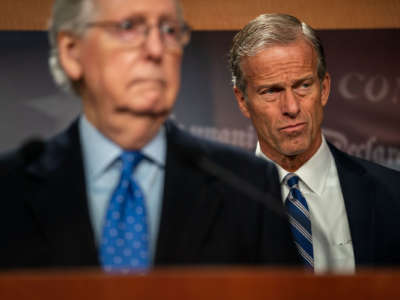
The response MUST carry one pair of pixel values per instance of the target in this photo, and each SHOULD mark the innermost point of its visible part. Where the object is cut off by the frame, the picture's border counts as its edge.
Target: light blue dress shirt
(102, 171)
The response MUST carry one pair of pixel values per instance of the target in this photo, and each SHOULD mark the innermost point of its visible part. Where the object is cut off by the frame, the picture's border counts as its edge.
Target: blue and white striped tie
(299, 218)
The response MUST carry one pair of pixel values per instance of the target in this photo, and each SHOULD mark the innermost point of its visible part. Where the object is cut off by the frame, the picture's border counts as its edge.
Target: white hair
(72, 16)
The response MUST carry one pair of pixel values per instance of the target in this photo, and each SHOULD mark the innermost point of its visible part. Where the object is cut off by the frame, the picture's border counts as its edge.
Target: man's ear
(69, 47)
(241, 100)
(325, 89)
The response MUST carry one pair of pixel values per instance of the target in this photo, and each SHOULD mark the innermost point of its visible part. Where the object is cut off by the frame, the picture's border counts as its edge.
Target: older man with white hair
(122, 187)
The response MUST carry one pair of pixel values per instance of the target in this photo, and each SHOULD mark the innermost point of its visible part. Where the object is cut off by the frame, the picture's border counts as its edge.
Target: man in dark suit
(342, 209)
(77, 199)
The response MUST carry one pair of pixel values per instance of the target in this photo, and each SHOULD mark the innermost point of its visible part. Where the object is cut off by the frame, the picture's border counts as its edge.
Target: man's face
(125, 89)
(285, 99)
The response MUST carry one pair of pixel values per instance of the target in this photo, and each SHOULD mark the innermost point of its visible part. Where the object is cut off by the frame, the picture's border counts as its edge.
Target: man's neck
(294, 162)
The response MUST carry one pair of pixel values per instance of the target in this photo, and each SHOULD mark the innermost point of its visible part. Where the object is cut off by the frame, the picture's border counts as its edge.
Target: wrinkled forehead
(119, 9)
(295, 54)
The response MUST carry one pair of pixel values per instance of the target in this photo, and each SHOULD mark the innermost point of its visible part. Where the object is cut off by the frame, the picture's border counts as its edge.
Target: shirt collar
(100, 153)
(314, 172)
(156, 149)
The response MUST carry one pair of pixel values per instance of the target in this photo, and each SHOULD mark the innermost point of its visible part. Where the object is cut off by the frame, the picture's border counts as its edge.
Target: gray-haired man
(122, 187)
(343, 210)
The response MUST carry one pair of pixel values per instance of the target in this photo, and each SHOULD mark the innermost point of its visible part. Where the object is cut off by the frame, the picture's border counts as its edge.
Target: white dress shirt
(102, 171)
(320, 186)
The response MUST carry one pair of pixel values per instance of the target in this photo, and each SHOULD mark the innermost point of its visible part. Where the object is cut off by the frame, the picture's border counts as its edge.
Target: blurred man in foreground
(122, 187)
(343, 210)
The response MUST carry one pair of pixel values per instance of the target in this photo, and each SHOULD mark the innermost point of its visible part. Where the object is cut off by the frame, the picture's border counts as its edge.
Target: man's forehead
(118, 9)
(297, 50)
(295, 57)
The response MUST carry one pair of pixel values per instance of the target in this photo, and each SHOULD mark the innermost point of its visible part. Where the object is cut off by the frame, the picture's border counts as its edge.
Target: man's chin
(294, 149)
(150, 103)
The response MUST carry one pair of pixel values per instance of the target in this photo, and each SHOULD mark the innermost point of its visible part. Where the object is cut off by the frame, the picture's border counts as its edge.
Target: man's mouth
(150, 82)
(293, 128)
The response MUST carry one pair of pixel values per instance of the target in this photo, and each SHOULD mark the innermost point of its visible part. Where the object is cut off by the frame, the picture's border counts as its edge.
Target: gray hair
(72, 16)
(268, 30)
(68, 16)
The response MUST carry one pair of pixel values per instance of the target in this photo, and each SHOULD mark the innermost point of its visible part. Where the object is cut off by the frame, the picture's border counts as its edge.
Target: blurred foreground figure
(343, 210)
(123, 188)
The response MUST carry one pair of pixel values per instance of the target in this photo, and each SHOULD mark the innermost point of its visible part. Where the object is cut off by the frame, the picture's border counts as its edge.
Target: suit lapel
(60, 204)
(358, 193)
(188, 210)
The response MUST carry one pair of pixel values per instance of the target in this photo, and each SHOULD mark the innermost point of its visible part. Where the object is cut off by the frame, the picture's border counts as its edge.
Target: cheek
(318, 113)
(114, 74)
(118, 66)
(319, 118)
(270, 115)
(264, 117)
(100, 69)
(172, 69)
(314, 116)
(115, 71)
(172, 73)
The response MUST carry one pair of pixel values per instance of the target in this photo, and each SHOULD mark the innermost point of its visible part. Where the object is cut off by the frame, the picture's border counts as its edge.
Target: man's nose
(154, 45)
(290, 103)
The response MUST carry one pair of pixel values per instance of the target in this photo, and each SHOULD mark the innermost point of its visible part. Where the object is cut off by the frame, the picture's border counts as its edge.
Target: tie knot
(292, 180)
(130, 160)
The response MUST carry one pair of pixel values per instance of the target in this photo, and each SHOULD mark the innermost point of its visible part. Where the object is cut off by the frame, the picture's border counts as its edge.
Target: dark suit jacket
(44, 220)
(372, 199)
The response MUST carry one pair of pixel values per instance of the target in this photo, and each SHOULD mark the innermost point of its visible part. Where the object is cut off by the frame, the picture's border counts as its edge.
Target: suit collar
(313, 173)
(358, 193)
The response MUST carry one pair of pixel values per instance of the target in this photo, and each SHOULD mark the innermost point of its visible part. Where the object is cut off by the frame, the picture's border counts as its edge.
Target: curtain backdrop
(362, 116)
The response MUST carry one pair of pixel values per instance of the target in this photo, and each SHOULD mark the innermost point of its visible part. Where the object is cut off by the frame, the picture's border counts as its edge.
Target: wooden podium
(200, 283)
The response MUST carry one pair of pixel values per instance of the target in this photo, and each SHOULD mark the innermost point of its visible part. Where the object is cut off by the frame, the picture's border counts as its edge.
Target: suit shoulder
(223, 153)
(374, 170)
(35, 155)
(381, 173)
(214, 154)
(9, 161)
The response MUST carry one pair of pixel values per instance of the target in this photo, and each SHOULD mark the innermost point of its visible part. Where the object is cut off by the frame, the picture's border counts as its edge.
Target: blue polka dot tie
(125, 245)
(299, 218)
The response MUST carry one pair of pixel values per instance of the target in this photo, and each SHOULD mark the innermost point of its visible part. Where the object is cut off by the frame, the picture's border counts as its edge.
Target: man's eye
(306, 84)
(268, 91)
(130, 24)
(126, 25)
(169, 29)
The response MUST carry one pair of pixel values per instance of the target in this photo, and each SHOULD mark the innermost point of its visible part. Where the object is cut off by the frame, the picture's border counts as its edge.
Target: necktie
(299, 218)
(125, 244)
